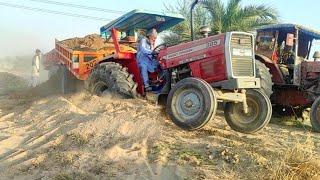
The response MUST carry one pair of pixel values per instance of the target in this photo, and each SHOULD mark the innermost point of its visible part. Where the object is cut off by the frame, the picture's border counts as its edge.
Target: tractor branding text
(202, 56)
(193, 49)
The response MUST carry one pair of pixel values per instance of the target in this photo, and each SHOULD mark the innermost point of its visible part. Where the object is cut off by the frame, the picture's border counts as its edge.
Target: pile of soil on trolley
(93, 42)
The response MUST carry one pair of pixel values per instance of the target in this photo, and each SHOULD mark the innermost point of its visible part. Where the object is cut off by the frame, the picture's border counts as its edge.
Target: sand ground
(80, 136)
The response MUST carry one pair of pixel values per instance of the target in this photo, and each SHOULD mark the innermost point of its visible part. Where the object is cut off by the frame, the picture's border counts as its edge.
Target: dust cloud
(21, 66)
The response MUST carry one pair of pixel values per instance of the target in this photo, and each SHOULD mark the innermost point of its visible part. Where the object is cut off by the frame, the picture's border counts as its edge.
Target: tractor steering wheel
(157, 49)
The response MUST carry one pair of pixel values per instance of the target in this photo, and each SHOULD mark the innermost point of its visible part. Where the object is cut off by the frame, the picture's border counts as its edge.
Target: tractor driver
(145, 59)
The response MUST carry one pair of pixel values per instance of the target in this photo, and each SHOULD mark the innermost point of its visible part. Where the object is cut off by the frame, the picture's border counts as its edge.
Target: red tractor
(285, 49)
(198, 74)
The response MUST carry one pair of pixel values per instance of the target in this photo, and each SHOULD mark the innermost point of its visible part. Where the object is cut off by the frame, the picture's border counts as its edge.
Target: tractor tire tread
(115, 77)
(263, 73)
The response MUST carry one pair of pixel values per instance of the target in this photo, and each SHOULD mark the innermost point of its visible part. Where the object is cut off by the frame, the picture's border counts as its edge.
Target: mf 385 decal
(200, 47)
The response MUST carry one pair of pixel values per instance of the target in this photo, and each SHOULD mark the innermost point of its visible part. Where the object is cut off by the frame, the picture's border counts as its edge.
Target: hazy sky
(21, 31)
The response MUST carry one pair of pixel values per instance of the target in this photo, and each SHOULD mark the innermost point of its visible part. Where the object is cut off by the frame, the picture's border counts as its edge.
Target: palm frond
(217, 12)
(260, 11)
(229, 18)
(221, 17)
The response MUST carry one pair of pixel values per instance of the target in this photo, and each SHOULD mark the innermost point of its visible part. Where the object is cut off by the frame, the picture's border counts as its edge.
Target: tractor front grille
(242, 55)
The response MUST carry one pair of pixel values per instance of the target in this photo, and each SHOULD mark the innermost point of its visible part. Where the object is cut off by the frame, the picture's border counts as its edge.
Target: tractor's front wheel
(112, 77)
(258, 116)
(191, 104)
(315, 115)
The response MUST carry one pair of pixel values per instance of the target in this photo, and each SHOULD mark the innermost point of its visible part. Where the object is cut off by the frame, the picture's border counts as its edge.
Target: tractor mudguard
(277, 76)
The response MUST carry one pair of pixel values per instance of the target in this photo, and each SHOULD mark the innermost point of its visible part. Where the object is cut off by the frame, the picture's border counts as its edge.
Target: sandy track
(87, 137)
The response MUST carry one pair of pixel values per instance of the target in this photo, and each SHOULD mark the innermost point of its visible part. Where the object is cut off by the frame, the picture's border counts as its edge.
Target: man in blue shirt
(145, 60)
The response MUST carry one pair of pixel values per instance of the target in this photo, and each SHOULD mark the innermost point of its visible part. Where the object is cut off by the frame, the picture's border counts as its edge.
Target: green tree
(181, 32)
(234, 17)
(221, 17)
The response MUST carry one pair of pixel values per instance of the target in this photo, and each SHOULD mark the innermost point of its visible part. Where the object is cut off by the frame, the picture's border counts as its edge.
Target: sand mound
(10, 83)
(14, 85)
(93, 41)
(116, 130)
(20, 64)
(81, 136)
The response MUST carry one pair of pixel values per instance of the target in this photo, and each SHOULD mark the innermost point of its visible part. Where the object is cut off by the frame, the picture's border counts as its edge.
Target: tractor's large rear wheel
(258, 116)
(112, 77)
(263, 73)
(315, 115)
(191, 104)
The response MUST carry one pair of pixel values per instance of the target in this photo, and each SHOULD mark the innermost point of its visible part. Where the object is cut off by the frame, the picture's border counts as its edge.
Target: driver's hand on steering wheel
(154, 53)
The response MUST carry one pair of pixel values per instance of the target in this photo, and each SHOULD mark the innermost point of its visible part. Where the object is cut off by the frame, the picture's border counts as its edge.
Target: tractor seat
(287, 72)
(284, 70)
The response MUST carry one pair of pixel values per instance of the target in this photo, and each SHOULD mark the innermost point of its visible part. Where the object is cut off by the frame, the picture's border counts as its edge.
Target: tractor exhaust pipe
(193, 5)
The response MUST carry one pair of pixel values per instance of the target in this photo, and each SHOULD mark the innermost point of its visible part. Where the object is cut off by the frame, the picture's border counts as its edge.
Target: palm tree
(222, 18)
(234, 17)
(181, 32)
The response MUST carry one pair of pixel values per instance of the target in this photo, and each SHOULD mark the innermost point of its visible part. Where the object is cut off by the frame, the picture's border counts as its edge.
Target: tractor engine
(215, 69)
(225, 61)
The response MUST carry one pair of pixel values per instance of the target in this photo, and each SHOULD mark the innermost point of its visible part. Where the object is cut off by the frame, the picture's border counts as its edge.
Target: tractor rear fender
(275, 71)
(109, 59)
